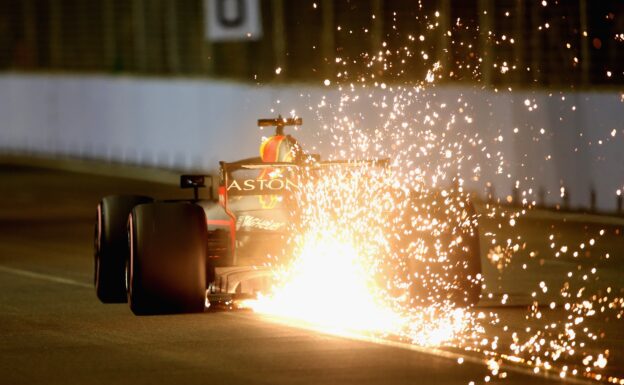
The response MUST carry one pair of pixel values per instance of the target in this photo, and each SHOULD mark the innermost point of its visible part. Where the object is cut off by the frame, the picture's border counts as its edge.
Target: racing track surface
(53, 330)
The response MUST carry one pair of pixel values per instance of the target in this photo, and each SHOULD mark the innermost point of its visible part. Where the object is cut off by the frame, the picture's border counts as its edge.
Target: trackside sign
(232, 20)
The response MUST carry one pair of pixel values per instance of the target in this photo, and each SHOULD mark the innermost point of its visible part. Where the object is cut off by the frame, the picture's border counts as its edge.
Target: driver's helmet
(280, 148)
(277, 148)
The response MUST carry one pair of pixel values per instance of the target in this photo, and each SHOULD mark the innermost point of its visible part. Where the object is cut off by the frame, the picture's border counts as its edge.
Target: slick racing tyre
(111, 246)
(468, 269)
(465, 266)
(166, 272)
(450, 266)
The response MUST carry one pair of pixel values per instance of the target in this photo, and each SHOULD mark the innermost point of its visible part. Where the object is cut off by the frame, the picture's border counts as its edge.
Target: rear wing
(277, 186)
(258, 164)
(230, 187)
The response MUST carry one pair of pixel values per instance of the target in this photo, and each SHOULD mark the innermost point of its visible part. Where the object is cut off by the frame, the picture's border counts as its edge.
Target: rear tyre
(466, 265)
(111, 246)
(450, 269)
(166, 272)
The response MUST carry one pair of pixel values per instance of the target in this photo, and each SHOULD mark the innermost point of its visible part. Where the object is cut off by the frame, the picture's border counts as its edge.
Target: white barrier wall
(192, 124)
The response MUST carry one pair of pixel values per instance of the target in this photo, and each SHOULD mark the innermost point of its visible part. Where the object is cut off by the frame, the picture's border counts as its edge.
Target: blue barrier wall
(191, 124)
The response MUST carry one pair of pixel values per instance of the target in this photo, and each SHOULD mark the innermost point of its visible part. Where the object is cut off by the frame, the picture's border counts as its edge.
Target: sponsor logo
(258, 223)
(261, 186)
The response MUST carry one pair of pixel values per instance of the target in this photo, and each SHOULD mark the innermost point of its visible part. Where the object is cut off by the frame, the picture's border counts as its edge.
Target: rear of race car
(248, 229)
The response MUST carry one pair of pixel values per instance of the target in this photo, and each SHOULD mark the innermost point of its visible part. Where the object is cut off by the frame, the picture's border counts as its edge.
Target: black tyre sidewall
(469, 285)
(111, 246)
(167, 269)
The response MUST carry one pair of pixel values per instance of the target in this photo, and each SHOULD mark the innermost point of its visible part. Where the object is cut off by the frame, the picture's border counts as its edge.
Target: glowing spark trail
(390, 251)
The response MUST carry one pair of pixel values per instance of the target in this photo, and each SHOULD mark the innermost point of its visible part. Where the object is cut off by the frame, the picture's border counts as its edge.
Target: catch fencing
(526, 44)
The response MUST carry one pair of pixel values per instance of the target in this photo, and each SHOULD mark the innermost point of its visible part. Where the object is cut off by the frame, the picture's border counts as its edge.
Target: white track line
(43, 277)
(436, 352)
(353, 336)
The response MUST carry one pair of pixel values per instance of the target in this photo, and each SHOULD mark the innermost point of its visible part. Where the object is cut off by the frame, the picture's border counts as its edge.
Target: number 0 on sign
(232, 20)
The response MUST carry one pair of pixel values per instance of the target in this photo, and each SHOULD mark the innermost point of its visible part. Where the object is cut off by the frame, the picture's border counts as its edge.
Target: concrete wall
(192, 124)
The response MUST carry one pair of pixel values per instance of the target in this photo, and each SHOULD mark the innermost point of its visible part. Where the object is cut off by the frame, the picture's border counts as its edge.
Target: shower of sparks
(387, 251)
(354, 267)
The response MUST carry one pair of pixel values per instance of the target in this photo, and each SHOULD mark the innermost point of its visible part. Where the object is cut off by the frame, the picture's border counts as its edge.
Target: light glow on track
(353, 269)
(374, 255)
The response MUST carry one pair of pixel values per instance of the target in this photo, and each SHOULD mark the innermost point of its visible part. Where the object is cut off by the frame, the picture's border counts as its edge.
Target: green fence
(549, 43)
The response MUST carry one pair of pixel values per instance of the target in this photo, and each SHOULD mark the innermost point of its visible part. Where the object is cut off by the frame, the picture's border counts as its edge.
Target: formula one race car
(179, 256)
